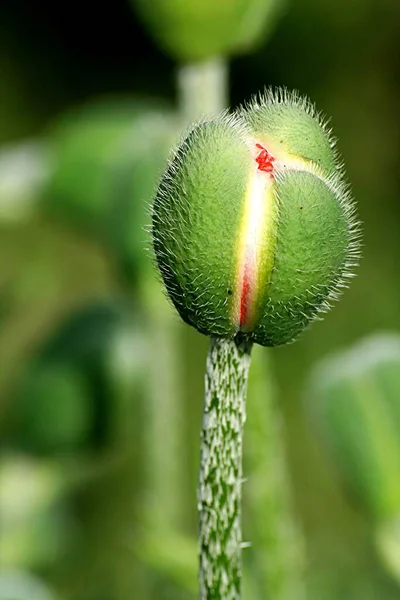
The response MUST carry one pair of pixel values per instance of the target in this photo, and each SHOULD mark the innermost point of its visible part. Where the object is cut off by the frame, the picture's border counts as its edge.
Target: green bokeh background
(346, 57)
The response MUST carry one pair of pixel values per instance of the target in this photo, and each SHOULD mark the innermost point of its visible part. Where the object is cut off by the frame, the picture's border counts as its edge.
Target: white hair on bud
(203, 303)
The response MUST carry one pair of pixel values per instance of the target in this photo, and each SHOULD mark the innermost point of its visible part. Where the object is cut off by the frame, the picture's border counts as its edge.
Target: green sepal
(196, 221)
(288, 124)
(311, 252)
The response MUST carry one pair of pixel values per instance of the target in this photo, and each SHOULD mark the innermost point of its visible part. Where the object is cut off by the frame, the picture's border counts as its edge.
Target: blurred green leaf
(107, 157)
(33, 528)
(171, 554)
(65, 401)
(52, 410)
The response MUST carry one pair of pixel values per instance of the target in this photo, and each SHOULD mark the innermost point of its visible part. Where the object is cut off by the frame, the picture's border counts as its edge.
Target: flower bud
(354, 401)
(253, 227)
(200, 29)
(353, 398)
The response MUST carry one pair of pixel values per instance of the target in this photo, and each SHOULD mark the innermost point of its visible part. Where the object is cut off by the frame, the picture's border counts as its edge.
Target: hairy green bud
(253, 226)
(354, 397)
(354, 400)
(200, 29)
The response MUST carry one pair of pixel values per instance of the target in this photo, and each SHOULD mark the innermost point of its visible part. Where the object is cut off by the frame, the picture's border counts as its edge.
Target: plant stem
(202, 89)
(25, 168)
(278, 561)
(220, 480)
(164, 442)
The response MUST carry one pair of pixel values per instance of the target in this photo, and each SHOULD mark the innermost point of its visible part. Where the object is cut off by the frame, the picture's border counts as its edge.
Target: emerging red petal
(265, 160)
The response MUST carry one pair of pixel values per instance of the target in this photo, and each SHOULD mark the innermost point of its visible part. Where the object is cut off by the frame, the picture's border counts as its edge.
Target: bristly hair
(177, 153)
(333, 176)
(336, 181)
(174, 163)
(292, 98)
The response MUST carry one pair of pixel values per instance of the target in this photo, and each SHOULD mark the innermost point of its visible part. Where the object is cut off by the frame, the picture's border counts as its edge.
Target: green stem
(203, 89)
(164, 473)
(278, 558)
(24, 171)
(220, 480)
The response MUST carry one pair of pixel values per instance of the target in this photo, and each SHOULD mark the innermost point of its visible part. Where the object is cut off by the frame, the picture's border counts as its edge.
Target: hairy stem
(220, 480)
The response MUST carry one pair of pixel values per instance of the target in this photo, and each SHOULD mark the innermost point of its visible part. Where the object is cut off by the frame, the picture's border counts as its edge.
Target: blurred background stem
(164, 432)
(25, 168)
(202, 88)
(277, 544)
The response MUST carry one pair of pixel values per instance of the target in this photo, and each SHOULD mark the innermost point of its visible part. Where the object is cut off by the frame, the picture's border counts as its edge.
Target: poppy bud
(202, 29)
(354, 401)
(253, 226)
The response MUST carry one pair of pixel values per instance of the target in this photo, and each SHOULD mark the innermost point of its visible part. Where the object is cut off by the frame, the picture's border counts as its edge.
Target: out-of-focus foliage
(81, 453)
(41, 423)
(19, 585)
(67, 399)
(34, 530)
(24, 168)
(107, 158)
